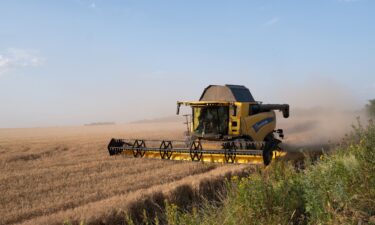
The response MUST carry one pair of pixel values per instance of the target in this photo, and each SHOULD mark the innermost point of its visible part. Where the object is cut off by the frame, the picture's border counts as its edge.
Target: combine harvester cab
(227, 125)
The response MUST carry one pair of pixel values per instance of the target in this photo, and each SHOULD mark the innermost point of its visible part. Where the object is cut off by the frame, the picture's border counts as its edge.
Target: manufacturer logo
(262, 123)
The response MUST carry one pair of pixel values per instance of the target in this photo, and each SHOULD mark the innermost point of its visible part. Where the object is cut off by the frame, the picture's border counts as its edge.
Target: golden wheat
(49, 175)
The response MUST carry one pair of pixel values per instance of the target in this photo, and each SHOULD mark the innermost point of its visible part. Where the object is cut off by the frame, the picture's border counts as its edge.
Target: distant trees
(370, 108)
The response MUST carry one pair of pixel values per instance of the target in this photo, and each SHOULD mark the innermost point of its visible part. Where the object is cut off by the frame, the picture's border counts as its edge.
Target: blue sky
(76, 61)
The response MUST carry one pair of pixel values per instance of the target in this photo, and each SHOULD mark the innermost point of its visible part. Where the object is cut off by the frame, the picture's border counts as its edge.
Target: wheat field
(50, 175)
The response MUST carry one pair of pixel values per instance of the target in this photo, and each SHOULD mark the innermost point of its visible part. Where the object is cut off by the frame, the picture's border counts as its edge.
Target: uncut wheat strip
(98, 211)
(31, 156)
(59, 149)
(71, 161)
(20, 166)
(63, 157)
(38, 150)
(19, 176)
(43, 205)
(82, 140)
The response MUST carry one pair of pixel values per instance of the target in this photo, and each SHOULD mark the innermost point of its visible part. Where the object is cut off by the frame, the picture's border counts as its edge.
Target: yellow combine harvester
(227, 125)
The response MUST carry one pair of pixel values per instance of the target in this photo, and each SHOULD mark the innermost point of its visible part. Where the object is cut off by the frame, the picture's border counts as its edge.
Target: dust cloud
(321, 112)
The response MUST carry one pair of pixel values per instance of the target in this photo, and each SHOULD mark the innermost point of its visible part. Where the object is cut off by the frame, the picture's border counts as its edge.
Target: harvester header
(227, 117)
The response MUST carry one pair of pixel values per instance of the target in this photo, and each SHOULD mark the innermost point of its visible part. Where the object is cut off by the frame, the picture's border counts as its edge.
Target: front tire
(271, 144)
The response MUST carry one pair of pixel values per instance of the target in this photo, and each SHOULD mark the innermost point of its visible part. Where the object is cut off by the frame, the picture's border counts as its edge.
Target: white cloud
(3, 61)
(272, 21)
(13, 58)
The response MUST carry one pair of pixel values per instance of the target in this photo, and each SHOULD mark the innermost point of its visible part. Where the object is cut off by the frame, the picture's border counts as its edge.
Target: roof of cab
(229, 93)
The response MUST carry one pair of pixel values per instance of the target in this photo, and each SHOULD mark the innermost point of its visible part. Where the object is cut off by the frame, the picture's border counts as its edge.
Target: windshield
(210, 120)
